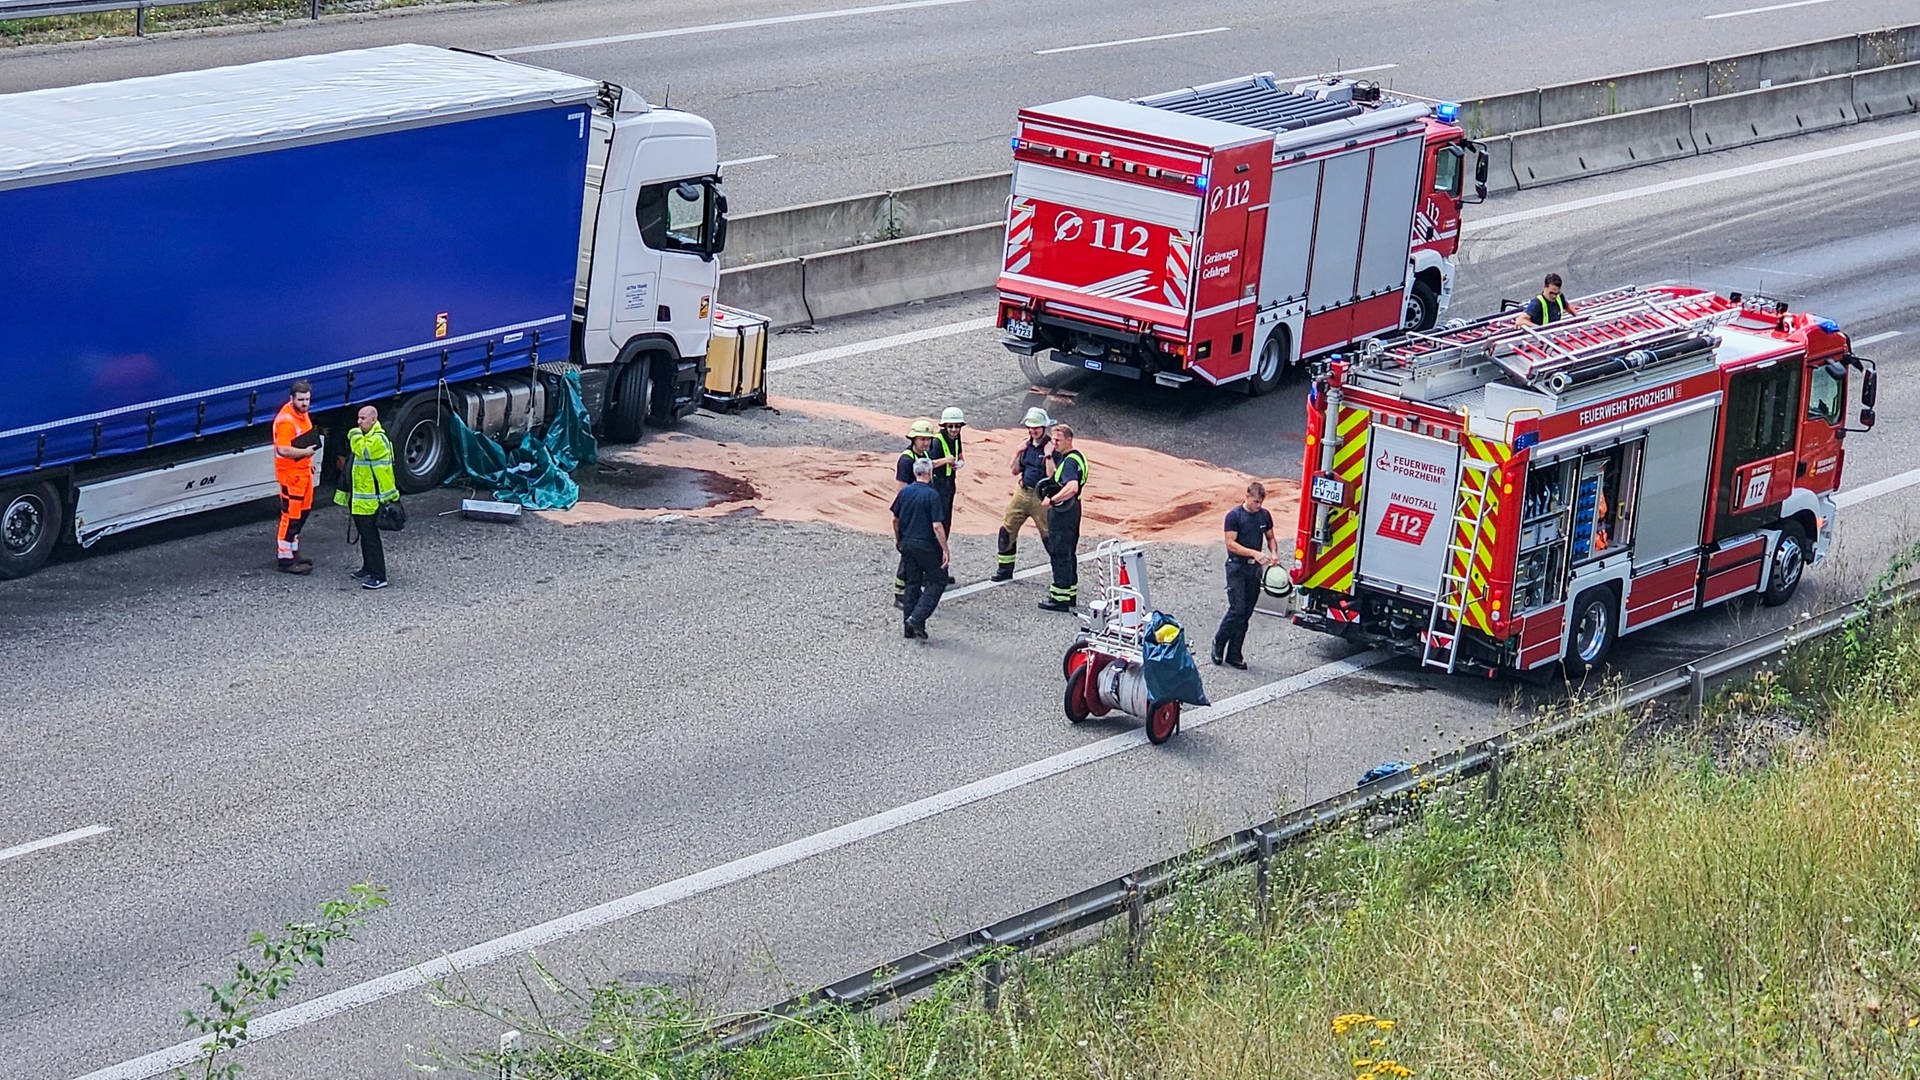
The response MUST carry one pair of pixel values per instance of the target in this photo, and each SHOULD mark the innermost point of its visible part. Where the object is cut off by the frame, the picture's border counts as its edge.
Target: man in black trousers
(920, 535)
(1251, 546)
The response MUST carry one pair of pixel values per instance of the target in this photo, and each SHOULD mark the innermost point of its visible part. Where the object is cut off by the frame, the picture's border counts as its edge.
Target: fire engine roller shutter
(1097, 194)
(1283, 260)
(1389, 225)
(1411, 483)
(1673, 487)
(1336, 233)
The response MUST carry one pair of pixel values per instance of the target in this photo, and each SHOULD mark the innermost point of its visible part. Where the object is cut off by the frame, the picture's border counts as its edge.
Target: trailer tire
(1162, 721)
(1074, 701)
(1595, 622)
(627, 412)
(422, 444)
(30, 520)
(1423, 307)
(1788, 565)
(1270, 368)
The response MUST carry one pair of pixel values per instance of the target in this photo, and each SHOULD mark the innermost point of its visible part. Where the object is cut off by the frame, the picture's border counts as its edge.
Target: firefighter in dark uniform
(946, 458)
(921, 538)
(1549, 306)
(1063, 520)
(1251, 546)
(1029, 468)
(920, 437)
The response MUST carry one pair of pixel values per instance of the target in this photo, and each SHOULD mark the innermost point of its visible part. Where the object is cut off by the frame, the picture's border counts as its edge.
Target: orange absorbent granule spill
(1133, 493)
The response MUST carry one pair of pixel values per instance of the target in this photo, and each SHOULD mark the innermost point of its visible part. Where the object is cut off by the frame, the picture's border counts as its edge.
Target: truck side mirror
(1866, 417)
(717, 230)
(1479, 175)
(1870, 388)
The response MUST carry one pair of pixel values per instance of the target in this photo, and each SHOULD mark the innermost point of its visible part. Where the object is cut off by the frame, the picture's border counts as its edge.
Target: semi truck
(1231, 231)
(1498, 496)
(433, 231)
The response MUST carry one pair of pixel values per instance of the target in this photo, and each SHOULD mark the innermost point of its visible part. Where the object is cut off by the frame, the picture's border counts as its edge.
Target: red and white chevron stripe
(1019, 236)
(1179, 268)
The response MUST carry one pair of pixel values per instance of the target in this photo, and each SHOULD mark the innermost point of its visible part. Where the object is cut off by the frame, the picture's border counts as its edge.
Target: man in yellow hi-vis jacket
(372, 482)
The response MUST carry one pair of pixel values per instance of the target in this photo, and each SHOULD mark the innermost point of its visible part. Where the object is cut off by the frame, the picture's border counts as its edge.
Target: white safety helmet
(952, 415)
(1037, 417)
(1276, 581)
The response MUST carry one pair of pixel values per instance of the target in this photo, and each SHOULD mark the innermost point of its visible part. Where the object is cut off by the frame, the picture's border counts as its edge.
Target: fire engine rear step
(1441, 649)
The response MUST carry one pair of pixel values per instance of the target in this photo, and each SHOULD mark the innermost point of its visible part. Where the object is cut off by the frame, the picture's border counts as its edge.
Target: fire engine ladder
(1620, 324)
(1445, 622)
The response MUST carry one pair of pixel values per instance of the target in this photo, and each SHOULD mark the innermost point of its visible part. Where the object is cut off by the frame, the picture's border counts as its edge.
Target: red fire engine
(1228, 231)
(1501, 496)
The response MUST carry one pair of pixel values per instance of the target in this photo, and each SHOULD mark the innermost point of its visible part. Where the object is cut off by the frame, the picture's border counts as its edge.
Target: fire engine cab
(1227, 231)
(1501, 496)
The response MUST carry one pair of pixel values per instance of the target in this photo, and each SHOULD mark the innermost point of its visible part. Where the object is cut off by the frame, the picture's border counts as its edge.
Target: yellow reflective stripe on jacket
(1062, 463)
(372, 471)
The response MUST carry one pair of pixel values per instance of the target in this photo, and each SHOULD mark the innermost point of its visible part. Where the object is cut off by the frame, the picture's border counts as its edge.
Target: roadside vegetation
(1657, 899)
(108, 24)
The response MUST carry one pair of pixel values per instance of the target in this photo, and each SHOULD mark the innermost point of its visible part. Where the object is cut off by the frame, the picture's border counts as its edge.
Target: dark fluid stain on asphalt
(656, 487)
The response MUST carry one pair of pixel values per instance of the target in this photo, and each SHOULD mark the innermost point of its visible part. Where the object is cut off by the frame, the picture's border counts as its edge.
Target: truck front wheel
(632, 393)
(30, 518)
(1271, 366)
(1423, 307)
(1789, 565)
(422, 444)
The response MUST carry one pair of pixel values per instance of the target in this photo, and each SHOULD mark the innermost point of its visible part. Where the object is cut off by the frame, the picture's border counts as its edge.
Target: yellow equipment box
(736, 360)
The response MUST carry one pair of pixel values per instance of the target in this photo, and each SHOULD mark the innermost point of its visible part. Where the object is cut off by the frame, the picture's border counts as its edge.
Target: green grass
(184, 17)
(1740, 899)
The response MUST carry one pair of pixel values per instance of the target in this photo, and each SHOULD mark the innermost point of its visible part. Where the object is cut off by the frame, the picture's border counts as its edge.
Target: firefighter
(1063, 520)
(1547, 307)
(372, 486)
(1250, 547)
(947, 458)
(921, 539)
(1029, 468)
(294, 444)
(920, 437)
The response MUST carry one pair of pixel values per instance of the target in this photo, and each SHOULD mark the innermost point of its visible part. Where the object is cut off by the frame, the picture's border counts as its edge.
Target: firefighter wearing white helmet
(920, 438)
(1029, 468)
(947, 458)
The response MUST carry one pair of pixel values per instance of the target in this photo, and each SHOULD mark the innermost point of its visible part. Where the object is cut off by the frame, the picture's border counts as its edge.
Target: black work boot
(1004, 573)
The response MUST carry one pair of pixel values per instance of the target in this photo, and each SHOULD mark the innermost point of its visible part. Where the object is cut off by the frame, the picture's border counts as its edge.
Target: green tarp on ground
(537, 473)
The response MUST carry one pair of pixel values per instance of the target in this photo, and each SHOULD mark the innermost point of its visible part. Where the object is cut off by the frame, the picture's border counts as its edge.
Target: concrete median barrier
(1885, 48)
(1499, 115)
(1776, 67)
(1590, 147)
(1720, 123)
(953, 204)
(1570, 103)
(896, 272)
(1499, 151)
(770, 288)
(804, 230)
(1886, 91)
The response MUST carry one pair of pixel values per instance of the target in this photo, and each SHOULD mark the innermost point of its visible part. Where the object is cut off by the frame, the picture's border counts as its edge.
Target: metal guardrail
(49, 9)
(1130, 894)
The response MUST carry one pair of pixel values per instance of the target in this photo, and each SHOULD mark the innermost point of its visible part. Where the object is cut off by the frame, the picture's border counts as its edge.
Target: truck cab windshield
(683, 215)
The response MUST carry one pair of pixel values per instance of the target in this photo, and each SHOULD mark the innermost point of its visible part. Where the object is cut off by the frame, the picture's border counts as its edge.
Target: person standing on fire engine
(1063, 520)
(1250, 546)
(1547, 307)
(920, 437)
(1029, 468)
(947, 461)
(294, 444)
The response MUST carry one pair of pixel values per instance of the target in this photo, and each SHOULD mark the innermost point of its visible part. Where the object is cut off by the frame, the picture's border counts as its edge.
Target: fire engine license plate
(1329, 489)
(1020, 328)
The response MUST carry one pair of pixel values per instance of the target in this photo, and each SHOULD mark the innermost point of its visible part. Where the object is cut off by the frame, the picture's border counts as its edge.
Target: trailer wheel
(422, 443)
(1272, 364)
(1077, 655)
(1789, 563)
(1591, 637)
(1163, 721)
(1423, 307)
(627, 412)
(30, 519)
(1074, 701)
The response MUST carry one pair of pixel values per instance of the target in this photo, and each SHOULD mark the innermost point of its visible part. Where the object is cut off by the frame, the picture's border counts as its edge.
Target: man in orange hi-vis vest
(294, 444)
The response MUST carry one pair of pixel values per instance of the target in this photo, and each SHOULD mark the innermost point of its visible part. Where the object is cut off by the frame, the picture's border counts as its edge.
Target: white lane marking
(52, 841)
(1018, 575)
(522, 941)
(1132, 41)
(1283, 80)
(1878, 488)
(1769, 7)
(911, 337)
(715, 28)
(1878, 338)
(748, 160)
(1690, 181)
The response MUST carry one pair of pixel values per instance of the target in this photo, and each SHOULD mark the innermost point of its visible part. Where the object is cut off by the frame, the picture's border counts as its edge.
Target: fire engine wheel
(1593, 631)
(1074, 701)
(1271, 368)
(1423, 308)
(1789, 562)
(1163, 721)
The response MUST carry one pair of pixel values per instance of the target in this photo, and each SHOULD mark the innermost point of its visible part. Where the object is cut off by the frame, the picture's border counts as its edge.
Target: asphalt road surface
(697, 752)
(898, 92)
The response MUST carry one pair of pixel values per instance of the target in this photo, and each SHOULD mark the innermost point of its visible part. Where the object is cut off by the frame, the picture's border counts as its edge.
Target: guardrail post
(1495, 756)
(139, 20)
(1136, 922)
(509, 1051)
(1696, 693)
(995, 976)
(1262, 877)
(316, 8)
